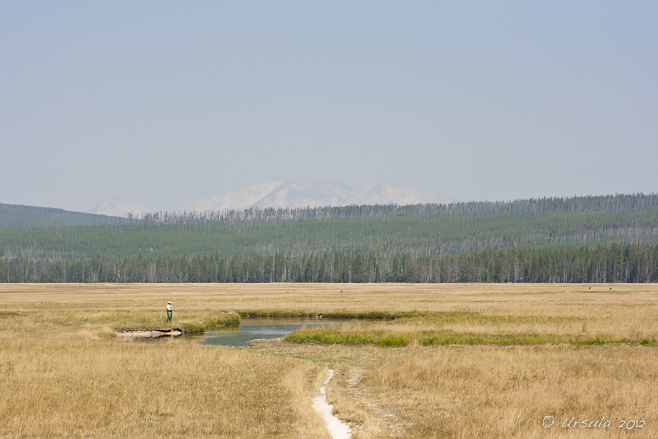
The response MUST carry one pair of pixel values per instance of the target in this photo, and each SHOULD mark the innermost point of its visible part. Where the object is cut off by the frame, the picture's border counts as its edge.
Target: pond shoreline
(259, 329)
(151, 333)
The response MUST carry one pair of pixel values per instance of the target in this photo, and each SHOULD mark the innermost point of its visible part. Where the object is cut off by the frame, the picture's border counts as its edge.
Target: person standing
(170, 311)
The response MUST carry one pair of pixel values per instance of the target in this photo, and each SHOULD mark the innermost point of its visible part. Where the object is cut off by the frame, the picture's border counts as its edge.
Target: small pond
(253, 330)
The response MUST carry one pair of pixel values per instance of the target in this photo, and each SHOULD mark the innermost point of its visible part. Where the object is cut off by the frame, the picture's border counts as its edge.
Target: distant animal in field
(318, 316)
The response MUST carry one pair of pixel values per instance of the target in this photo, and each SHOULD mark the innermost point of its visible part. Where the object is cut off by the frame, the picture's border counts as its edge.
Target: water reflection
(252, 330)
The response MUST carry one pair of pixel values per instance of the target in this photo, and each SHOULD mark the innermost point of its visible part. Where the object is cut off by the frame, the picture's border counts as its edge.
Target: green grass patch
(425, 338)
(465, 338)
(328, 337)
(339, 334)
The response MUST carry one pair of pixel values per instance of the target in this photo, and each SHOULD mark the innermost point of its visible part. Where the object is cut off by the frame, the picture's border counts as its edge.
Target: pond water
(248, 331)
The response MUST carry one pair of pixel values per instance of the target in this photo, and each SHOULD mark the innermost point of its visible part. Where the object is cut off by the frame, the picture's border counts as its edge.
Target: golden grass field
(65, 374)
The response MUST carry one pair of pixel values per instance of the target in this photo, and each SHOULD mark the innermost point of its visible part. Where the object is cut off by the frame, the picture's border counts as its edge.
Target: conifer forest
(577, 239)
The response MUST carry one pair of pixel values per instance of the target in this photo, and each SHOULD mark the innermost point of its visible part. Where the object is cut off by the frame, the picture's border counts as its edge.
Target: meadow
(422, 361)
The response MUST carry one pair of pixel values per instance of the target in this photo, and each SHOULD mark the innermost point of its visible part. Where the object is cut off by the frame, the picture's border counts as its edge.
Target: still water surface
(252, 330)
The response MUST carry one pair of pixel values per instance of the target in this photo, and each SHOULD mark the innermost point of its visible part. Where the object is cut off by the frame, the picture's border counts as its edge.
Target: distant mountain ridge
(117, 207)
(14, 215)
(305, 192)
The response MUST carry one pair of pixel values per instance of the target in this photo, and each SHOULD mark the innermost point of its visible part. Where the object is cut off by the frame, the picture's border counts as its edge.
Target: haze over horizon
(161, 104)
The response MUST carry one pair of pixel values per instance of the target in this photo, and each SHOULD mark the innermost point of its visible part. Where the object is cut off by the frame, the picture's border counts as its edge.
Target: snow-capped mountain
(116, 207)
(385, 194)
(305, 192)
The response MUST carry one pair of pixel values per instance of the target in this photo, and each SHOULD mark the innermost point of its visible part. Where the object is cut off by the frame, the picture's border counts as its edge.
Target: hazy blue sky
(165, 102)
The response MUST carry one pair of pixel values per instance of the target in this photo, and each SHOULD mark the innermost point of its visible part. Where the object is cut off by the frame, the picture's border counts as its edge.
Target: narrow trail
(389, 421)
(337, 429)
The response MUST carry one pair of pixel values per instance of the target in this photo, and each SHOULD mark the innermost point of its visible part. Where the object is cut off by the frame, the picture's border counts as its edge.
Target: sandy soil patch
(337, 428)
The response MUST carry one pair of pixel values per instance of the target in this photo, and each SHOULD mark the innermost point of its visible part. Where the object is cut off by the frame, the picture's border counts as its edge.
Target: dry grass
(492, 392)
(488, 391)
(54, 387)
(62, 374)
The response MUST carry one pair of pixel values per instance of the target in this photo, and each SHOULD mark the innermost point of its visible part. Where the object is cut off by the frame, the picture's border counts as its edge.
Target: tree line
(30, 216)
(591, 203)
(435, 235)
(616, 263)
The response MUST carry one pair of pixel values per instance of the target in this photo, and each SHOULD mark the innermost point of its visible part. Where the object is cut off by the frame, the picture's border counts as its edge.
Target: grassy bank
(475, 328)
(338, 315)
(188, 321)
(360, 334)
